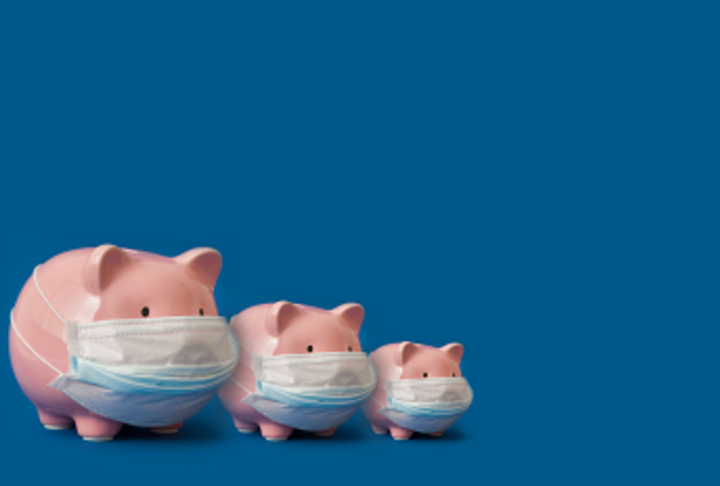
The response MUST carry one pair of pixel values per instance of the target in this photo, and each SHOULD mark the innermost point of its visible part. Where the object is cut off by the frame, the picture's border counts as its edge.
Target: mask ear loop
(380, 382)
(42, 294)
(27, 345)
(252, 356)
(17, 332)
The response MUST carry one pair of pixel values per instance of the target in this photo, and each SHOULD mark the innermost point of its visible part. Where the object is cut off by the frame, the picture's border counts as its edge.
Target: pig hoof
(98, 439)
(54, 421)
(276, 439)
(401, 438)
(164, 431)
(246, 431)
(379, 431)
(274, 431)
(96, 428)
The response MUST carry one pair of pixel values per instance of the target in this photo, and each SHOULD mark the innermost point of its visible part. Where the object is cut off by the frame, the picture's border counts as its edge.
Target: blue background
(535, 180)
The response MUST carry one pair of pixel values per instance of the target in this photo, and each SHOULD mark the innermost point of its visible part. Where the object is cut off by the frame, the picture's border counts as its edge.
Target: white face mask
(311, 391)
(427, 404)
(146, 372)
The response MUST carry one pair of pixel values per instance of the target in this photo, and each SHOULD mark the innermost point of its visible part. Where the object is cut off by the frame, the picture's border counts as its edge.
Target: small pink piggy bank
(300, 368)
(105, 336)
(420, 389)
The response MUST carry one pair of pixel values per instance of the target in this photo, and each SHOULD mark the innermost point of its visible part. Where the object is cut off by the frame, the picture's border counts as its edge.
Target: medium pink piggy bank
(420, 389)
(300, 368)
(105, 336)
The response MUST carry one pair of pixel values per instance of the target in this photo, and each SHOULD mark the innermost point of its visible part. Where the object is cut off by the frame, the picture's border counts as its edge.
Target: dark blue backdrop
(536, 180)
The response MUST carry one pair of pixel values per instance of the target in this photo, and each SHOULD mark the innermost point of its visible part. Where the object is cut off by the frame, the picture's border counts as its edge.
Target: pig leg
(167, 430)
(326, 433)
(245, 427)
(378, 429)
(95, 428)
(400, 433)
(274, 431)
(54, 421)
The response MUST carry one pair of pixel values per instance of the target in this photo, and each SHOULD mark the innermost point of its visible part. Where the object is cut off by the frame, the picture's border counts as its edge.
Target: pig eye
(425, 375)
(350, 348)
(145, 311)
(309, 348)
(202, 311)
(453, 375)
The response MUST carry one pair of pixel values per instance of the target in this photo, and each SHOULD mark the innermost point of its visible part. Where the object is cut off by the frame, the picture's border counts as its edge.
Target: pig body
(284, 329)
(408, 360)
(96, 284)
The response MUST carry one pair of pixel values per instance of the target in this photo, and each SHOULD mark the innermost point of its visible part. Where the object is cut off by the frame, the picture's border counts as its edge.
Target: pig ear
(454, 350)
(352, 315)
(103, 265)
(404, 352)
(203, 264)
(279, 317)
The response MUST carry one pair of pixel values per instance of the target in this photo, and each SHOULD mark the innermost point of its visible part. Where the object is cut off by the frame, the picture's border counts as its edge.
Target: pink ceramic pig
(120, 287)
(295, 356)
(426, 385)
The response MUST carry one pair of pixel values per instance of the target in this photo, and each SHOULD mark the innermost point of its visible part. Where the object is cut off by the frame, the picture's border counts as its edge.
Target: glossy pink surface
(95, 284)
(285, 328)
(408, 360)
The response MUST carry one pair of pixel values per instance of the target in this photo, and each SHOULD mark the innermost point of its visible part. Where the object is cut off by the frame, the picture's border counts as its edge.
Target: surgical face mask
(427, 405)
(146, 372)
(311, 391)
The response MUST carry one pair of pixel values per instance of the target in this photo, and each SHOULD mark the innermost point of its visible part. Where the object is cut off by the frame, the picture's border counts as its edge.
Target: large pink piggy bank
(300, 368)
(106, 336)
(420, 389)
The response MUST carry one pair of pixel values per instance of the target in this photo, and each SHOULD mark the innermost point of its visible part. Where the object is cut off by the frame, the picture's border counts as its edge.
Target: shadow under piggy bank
(193, 430)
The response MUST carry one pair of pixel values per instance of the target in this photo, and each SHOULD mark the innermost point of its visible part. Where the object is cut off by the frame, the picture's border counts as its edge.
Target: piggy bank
(301, 367)
(420, 389)
(102, 337)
